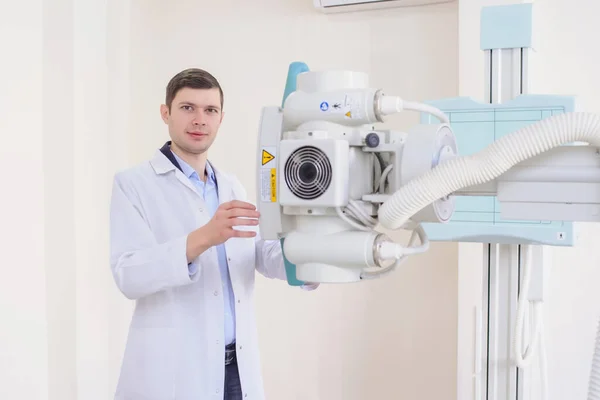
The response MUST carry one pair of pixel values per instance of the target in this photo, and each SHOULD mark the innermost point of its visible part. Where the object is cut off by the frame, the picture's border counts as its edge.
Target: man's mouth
(197, 134)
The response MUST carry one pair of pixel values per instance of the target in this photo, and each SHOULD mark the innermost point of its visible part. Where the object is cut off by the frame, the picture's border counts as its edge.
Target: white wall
(563, 64)
(63, 116)
(24, 344)
(393, 338)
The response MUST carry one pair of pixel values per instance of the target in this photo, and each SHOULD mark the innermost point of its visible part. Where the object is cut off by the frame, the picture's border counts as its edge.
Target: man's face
(194, 119)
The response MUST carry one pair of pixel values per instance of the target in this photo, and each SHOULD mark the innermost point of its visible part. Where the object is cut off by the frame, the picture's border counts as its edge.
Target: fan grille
(308, 172)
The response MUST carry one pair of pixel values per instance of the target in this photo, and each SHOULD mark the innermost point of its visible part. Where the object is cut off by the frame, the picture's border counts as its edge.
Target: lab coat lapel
(186, 181)
(162, 164)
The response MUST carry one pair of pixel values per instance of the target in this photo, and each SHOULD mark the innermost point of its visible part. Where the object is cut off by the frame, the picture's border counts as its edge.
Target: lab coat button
(216, 293)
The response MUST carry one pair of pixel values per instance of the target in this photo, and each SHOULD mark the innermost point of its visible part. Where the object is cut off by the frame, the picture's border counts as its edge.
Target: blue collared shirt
(208, 191)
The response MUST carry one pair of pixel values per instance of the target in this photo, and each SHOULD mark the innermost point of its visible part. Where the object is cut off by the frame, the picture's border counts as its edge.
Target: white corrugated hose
(486, 165)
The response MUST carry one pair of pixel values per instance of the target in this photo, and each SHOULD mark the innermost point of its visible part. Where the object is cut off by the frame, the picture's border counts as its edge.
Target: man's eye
(187, 108)
(212, 110)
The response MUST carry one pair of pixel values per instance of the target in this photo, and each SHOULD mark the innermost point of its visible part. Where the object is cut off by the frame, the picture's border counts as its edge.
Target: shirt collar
(184, 166)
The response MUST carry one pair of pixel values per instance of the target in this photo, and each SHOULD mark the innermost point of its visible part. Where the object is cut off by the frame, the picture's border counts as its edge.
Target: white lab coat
(175, 346)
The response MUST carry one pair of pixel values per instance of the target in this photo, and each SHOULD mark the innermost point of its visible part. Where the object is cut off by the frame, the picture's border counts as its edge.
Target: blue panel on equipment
(506, 27)
(477, 125)
(294, 69)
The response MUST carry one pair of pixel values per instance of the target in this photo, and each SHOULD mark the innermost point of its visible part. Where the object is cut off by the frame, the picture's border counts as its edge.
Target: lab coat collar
(164, 161)
(191, 172)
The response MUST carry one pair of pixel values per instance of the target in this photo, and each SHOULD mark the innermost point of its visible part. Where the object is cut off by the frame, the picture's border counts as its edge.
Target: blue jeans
(233, 387)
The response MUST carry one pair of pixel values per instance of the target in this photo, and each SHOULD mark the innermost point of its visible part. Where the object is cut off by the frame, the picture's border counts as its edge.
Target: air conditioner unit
(339, 6)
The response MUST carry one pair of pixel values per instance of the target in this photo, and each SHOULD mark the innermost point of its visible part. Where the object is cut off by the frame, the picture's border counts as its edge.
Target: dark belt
(230, 357)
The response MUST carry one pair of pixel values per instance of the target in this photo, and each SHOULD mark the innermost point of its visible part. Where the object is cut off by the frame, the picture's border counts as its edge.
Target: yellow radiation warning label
(273, 185)
(267, 157)
(268, 175)
(268, 187)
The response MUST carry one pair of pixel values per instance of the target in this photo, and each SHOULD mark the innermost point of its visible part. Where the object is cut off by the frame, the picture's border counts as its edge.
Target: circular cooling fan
(308, 172)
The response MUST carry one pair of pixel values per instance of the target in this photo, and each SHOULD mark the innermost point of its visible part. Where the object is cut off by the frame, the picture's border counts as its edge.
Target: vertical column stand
(506, 78)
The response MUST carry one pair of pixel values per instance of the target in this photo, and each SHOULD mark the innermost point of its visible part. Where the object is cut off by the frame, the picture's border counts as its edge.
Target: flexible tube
(351, 222)
(543, 362)
(394, 104)
(411, 249)
(381, 185)
(594, 385)
(524, 360)
(461, 172)
(421, 107)
(536, 342)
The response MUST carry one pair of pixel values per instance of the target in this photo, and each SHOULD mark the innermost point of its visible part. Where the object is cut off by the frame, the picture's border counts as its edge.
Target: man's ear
(222, 115)
(164, 113)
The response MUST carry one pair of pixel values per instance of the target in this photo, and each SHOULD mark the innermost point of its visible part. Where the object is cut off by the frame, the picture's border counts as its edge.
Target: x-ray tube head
(324, 171)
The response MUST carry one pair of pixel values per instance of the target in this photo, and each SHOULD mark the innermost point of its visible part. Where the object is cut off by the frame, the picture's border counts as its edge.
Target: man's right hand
(234, 213)
(221, 227)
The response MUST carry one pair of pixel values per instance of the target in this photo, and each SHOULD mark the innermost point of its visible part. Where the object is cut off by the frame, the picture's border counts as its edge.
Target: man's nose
(199, 120)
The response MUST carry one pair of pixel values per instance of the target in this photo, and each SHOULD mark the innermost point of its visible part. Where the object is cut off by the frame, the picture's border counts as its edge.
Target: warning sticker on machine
(268, 175)
(267, 157)
(268, 185)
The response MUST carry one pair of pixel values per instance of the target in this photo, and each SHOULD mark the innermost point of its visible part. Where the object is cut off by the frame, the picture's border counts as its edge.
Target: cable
(418, 232)
(351, 222)
(594, 385)
(536, 342)
(381, 184)
(377, 169)
(394, 104)
(358, 213)
(543, 362)
(524, 360)
(415, 106)
(461, 172)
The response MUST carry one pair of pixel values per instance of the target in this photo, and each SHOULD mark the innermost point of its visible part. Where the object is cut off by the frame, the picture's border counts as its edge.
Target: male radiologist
(185, 247)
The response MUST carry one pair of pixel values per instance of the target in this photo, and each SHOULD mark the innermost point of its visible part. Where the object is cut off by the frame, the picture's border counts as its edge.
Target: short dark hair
(194, 78)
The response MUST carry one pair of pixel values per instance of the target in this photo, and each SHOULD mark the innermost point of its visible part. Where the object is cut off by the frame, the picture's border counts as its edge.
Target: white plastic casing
(328, 81)
(562, 184)
(342, 97)
(333, 169)
(330, 257)
(426, 146)
(272, 220)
